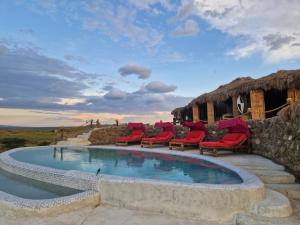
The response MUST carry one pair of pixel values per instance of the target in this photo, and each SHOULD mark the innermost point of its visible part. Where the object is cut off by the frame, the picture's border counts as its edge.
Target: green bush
(44, 143)
(12, 142)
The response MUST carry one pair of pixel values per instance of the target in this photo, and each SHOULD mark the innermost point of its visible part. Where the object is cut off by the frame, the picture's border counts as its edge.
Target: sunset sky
(63, 61)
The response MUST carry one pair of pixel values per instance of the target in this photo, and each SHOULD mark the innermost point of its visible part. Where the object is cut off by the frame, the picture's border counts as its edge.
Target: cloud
(118, 21)
(159, 87)
(174, 57)
(190, 28)
(75, 58)
(34, 81)
(130, 69)
(269, 27)
(147, 4)
(115, 94)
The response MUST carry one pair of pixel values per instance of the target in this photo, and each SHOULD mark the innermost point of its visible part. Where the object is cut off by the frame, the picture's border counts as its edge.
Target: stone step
(274, 177)
(252, 162)
(292, 191)
(275, 205)
(252, 219)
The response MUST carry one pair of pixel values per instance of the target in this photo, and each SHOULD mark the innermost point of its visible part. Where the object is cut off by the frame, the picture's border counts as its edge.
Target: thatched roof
(177, 110)
(280, 80)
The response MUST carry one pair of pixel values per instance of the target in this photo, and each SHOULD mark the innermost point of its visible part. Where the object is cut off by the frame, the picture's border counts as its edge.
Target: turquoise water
(124, 163)
(31, 189)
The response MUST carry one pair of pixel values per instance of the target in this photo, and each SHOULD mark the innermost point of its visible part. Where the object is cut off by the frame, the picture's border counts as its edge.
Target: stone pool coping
(197, 200)
(16, 203)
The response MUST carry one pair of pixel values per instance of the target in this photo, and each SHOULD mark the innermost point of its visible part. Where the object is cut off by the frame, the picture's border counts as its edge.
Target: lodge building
(250, 98)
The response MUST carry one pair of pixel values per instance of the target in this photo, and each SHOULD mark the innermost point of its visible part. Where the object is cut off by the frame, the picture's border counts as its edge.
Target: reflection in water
(125, 163)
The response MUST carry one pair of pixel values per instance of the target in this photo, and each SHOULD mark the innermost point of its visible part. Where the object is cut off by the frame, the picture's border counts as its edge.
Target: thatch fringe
(283, 79)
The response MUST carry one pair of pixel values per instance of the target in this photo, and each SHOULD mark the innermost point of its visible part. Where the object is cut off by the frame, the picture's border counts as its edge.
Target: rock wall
(278, 138)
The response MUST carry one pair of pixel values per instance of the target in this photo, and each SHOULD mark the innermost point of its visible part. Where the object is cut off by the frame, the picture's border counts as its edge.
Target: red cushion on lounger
(137, 132)
(136, 135)
(235, 137)
(162, 136)
(229, 140)
(192, 137)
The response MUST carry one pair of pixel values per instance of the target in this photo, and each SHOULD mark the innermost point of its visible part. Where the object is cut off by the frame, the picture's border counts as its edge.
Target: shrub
(12, 142)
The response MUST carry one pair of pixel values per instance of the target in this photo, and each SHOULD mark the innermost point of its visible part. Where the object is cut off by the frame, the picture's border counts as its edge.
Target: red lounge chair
(136, 135)
(236, 138)
(162, 138)
(192, 139)
(197, 134)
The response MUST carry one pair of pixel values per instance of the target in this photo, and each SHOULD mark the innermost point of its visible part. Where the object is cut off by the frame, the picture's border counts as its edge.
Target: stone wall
(278, 138)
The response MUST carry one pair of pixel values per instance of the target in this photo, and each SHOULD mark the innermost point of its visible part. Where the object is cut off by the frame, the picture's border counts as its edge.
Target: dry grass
(18, 137)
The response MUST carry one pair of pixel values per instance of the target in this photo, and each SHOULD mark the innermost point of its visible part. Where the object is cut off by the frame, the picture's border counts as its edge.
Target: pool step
(274, 205)
(274, 176)
(252, 219)
(292, 191)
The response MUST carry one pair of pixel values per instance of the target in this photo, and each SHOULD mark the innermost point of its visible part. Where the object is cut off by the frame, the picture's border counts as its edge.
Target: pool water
(137, 164)
(31, 189)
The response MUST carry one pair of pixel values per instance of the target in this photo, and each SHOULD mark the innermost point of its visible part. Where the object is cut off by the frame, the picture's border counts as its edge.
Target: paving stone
(292, 191)
(275, 205)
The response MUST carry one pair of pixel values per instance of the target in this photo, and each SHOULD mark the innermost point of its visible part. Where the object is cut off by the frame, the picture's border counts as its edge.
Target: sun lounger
(136, 135)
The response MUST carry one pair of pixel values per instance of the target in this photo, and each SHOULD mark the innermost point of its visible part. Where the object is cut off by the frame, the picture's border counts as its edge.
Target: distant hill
(8, 127)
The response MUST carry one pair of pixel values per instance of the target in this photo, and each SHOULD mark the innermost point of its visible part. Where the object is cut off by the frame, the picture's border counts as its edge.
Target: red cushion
(136, 135)
(233, 136)
(229, 140)
(162, 136)
(195, 134)
(137, 132)
(165, 134)
(192, 137)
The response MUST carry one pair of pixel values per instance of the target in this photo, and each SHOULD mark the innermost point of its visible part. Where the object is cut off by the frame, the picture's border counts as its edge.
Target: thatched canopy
(177, 110)
(283, 79)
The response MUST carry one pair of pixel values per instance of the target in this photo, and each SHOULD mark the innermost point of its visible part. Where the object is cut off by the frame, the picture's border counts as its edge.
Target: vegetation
(19, 137)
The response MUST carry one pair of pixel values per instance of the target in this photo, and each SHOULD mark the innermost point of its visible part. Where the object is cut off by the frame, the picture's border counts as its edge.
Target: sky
(63, 62)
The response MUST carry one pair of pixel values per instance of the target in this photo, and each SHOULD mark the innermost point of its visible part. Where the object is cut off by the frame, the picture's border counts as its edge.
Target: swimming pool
(171, 182)
(31, 189)
(137, 164)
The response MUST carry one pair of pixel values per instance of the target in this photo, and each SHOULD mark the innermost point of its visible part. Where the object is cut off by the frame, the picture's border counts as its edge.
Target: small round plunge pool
(133, 164)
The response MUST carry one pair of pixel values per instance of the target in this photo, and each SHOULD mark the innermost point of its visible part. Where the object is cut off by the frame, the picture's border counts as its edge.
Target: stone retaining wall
(278, 140)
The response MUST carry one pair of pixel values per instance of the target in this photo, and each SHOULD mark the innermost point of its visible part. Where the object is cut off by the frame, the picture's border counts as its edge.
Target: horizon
(65, 62)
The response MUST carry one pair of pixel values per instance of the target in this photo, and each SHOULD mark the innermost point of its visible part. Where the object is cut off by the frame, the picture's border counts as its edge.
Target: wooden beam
(257, 104)
(294, 94)
(195, 113)
(210, 113)
(235, 110)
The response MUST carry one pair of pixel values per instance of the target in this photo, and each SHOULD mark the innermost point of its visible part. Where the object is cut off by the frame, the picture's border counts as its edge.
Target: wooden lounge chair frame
(126, 143)
(181, 145)
(151, 144)
(245, 144)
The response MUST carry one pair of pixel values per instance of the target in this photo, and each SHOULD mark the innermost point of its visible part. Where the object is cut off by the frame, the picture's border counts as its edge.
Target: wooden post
(257, 104)
(210, 113)
(195, 113)
(235, 110)
(294, 94)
